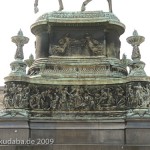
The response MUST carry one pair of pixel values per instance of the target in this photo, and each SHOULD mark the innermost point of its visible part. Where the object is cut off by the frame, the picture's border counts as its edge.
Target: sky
(19, 14)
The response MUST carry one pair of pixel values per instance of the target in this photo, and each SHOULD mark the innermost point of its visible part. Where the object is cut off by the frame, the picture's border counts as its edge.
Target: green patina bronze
(77, 89)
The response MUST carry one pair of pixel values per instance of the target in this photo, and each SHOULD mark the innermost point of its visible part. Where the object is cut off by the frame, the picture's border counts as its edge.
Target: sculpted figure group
(61, 7)
(16, 96)
(63, 44)
(138, 96)
(93, 46)
(76, 98)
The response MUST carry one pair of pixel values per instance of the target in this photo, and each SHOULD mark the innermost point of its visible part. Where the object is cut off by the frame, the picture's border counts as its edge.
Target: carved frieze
(133, 97)
(14, 113)
(77, 47)
(16, 95)
(79, 66)
(136, 113)
(78, 98)
(138, 95)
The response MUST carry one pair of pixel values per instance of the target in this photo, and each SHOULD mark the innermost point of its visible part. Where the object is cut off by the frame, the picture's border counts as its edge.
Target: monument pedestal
(77, 94)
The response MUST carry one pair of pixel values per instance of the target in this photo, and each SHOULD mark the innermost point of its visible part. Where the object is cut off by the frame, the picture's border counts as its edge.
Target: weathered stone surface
(74, 147)
(13, 130)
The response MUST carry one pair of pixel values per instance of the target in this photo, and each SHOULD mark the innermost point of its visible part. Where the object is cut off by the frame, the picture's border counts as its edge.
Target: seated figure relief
(96, 47)
(60, 49)
(70, 46)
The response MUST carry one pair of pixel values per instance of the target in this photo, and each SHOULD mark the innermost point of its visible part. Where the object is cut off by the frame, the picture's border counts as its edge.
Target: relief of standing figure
(139, 94)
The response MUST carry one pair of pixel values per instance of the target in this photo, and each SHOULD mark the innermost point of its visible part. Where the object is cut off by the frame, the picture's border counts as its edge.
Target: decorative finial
(29, 61)
(18, 67)
(31, 57)
(19, 40)
(20, 33)
(124, 59)
(135, 41)
(135, 33)
(136, 66)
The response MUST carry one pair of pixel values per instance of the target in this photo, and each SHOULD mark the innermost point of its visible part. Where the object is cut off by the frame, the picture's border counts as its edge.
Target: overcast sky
(16, 14)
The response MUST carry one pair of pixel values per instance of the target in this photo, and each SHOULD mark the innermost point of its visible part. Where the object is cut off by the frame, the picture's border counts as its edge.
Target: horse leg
(110, 5)
(61, 7)
(84, 4)
(36, 6)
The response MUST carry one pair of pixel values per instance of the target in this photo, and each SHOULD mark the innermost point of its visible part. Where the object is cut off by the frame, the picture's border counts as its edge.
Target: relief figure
(94, 46)
(62, 46)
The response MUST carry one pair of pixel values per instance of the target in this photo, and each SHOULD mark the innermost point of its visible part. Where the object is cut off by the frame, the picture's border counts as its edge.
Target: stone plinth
(82, 134)
(14, 130)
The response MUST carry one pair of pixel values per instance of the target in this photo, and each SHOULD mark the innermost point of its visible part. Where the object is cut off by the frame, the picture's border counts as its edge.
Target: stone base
(75, 147)
(116, 134)
(13, 129)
